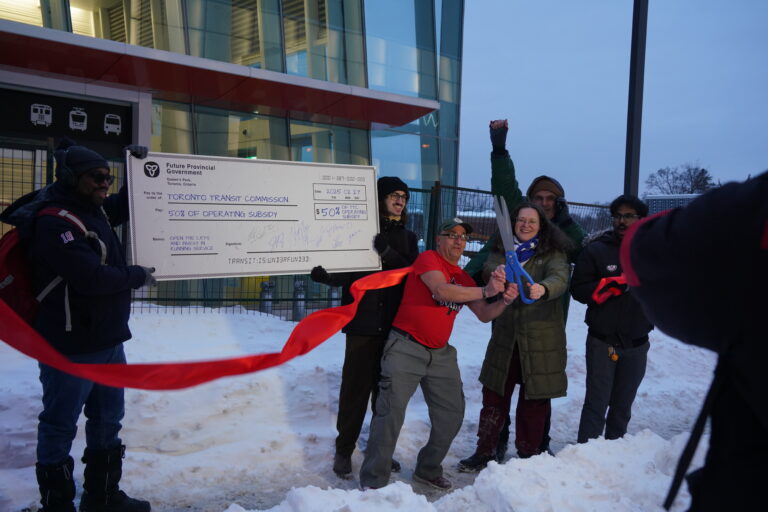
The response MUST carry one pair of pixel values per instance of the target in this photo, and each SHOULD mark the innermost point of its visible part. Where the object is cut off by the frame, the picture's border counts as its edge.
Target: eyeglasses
(625, 216)
(530, 222)
(455, 236)
(395, 196)
(100, 177)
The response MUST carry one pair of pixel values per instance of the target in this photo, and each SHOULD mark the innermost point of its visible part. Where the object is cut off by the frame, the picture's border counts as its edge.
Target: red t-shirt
(428, 320)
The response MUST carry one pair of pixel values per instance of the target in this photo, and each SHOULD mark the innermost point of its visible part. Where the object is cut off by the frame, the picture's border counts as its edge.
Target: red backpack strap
(75, 221)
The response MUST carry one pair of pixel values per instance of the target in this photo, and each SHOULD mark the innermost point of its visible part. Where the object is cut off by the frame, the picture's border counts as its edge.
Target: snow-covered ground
(265, 441)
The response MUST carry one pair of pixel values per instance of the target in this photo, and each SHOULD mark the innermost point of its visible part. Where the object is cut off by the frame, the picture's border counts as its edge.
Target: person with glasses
(417, 353)
(368, 330)
(617, 339)
(546, 192)
(85, 317)
(528, 345)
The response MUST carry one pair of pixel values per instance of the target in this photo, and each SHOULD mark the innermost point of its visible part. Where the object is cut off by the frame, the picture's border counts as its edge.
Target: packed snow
(265, 441)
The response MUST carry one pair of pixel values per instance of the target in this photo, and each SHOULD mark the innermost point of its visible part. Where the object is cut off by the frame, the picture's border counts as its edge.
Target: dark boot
(474, 463)
(342, 466)
(103, 469)
(503, 445)
(57, 487)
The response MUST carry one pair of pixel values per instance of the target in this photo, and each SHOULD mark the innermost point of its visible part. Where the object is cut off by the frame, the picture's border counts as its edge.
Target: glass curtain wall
(320, 39)
(401, 59)
(409, 47)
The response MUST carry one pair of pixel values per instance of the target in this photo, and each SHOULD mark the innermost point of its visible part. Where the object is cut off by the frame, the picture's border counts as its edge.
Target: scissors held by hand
(515, 271)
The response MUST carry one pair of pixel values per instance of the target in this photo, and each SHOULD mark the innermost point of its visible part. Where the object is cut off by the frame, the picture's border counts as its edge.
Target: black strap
(693, 441)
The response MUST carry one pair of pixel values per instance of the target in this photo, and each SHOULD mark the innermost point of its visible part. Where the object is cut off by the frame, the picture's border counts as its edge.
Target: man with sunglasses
(417, 353)
(617, 339)
(85, 317)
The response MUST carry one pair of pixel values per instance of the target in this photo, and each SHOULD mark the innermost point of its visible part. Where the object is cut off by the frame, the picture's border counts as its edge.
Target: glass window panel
(22, 11)
(323, 39)
(237, 31)
(171, 128)
(400, 42)
(237, 134)
(411, 157)
(314, 142)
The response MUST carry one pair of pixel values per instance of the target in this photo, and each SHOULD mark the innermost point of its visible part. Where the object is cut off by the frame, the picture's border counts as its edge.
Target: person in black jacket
(85, 317)
(368, 330)
(701, 275)
(617, 339)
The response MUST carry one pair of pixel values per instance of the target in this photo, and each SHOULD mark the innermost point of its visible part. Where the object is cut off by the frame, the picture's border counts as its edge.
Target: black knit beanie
(388, 184)
(78, 159)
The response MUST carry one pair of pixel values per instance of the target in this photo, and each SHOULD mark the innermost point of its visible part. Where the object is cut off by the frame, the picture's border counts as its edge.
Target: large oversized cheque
(200, 217)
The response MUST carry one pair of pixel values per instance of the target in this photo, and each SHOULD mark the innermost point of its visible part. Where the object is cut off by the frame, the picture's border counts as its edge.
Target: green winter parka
(538, 329)
(504, 183)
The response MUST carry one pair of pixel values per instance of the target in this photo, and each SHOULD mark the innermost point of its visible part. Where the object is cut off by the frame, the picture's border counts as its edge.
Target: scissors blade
(504, 223)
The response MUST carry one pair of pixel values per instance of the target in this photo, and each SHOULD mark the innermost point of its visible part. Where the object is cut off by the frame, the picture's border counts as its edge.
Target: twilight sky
(559, 71)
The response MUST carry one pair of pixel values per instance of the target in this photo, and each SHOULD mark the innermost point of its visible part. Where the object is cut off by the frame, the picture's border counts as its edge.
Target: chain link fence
(292, 297)
(295, 296)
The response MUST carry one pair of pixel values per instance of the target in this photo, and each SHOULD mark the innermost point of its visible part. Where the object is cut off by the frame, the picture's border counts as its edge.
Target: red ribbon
(604, 289)
(308, 334)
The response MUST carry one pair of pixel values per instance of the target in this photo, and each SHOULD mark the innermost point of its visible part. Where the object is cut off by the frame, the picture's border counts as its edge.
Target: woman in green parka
(527, 345)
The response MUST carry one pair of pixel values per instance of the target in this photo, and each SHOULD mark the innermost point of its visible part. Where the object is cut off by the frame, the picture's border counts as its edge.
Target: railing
(293, 297)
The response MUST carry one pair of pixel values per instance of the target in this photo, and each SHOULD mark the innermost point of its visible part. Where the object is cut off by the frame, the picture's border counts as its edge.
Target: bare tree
(684, 179)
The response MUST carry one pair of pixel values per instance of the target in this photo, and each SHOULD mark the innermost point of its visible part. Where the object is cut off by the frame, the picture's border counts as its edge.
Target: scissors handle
(516, 273)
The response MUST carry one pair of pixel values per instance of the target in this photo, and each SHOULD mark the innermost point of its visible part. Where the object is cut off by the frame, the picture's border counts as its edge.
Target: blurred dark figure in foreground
(701, 274)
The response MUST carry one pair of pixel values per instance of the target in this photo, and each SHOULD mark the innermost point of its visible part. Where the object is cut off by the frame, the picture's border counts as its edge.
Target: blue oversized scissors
(515, 271)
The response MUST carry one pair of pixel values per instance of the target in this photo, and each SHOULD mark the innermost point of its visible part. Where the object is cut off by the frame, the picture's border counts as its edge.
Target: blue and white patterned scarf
(526, 250)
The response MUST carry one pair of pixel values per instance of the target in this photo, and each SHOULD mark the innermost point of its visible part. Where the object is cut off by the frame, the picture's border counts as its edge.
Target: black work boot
(103, 469)
(342, 466)
(474, 463)
(57, 487)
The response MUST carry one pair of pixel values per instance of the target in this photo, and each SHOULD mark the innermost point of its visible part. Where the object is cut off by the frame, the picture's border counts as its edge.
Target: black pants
(359, 384)
(735, 471)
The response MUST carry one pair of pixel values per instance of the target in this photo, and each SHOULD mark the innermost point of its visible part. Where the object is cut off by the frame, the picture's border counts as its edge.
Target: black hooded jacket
(89, 310)
(619, 320)
(377, 308)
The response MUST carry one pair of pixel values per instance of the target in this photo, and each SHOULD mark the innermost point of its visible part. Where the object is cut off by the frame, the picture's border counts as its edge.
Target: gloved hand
(609, 287)
(149, 279)
(137, 151)
(319, 275)
(562, 214)
(498, 129)
(380, 243)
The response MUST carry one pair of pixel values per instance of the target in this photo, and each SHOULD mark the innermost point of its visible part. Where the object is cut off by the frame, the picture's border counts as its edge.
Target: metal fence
(27, 167)
(293, 297)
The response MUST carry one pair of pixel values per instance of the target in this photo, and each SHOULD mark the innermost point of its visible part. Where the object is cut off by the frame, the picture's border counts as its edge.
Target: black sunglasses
(100, 177)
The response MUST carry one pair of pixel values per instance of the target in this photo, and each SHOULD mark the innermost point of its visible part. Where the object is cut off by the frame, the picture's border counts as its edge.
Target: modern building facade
(345, 81)
(337, 81)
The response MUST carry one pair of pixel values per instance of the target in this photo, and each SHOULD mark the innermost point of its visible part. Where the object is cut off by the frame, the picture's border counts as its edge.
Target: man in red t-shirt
(417, 353)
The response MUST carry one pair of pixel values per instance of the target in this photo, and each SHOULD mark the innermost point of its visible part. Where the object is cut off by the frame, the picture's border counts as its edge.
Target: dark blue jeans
(63, 399)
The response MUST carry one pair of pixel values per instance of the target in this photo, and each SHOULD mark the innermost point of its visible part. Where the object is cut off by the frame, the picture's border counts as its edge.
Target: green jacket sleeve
(475, 265)
(577, 235)
(503, 180)
(556, 272)
(504, 184)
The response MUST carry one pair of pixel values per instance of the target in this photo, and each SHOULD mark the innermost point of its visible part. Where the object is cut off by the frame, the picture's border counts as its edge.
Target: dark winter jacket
(377, 308)
(620, 320)
(701, 274)
(538, 330)
(94, 299)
